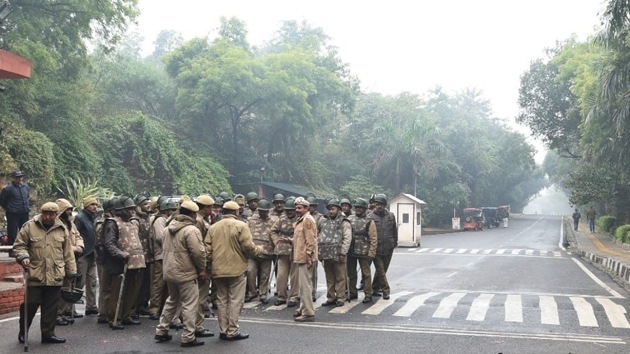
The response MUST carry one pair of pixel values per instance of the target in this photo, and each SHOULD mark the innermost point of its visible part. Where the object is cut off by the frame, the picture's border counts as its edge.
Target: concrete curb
(618, 271)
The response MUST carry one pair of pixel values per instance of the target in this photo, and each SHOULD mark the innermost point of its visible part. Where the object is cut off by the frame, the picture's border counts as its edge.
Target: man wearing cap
(184, 260)
(282, 236)
(387, 231)
(317, 216)
(43, 248)
(142, 218)
(259, 268)
(85, 223)
(65, 314)
(102, 265)
(229, 242)
(15, 201)
(204, 217)
(240, 200)
(346, 206)
(125, 256)
(305, 257)
(159, 291)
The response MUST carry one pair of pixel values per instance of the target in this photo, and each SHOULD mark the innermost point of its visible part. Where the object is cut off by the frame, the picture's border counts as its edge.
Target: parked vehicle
(491, 216)
(473, 219)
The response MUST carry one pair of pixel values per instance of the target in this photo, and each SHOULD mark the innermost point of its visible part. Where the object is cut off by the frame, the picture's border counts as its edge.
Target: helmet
(225, 195)
(264, 205)
(360, 203)
(345, 201)
(169, 204)
(289, 204)
(312, 201)
(239, 199)
(333, 202)
(140, 198)
(218, 201)
(372, 198)
(124, 203)
(278, 198)
(380, 198)
(251, 196)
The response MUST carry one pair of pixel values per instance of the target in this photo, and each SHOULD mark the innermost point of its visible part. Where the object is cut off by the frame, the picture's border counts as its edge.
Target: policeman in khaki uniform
(230, 243)
(305, 258)
(317, 216)
(333, 241)
(159, 291)
(204, 217)
(282, 236)
(184, 257)
(42, 247)
(259, 268)
(65, 314)
(362, 249)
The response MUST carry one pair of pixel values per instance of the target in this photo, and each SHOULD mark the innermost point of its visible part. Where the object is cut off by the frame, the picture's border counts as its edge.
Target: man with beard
(333, 242)
(142, 217)
(42, 247)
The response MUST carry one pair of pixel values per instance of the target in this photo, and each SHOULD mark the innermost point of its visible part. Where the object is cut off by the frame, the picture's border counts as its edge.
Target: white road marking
(514, 309)
(529, 252)
(501, 251)
(584, 311)
(564, 337)
(382, 304)
(616, 313)
(515, 252)
(413, 304)
(475, 251)
(250, 305)
(561, 243)
(448, 250)
(447, 305)
(543, 253)
(462, 250)
(557, 254)
(487, 251)
(422, 250)
(479, 307)
(549, 311)
(436, 250)
(346, 306)
(597, 280)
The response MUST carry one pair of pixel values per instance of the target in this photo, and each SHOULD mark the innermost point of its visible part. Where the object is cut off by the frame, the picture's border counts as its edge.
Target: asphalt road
(505, 290)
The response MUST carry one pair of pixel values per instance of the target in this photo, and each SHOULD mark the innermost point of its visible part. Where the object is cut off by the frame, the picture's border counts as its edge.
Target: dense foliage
(578, 100)
(211, 114)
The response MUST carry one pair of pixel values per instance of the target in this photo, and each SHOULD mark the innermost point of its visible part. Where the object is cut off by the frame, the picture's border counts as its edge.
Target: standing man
(184, 265)
(65, 313)
(252, 204)
(102, 261)
(85, 222)
(333, 242)
(282, 236)
(125, 256)
(159, 291)
(317, 216)
(346, 206)
(142, 217)
(42, 247)
(362, 249)
(230, 243)
(204, 217)
(591, 215)
(305, 257)
(576, 219)
(278, 205)
(259, 268)
(14, 200)
(387, 240)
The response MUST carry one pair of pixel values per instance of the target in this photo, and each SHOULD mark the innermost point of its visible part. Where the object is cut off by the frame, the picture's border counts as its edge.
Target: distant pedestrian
(14, 200)
(576, 219)
(591, 215)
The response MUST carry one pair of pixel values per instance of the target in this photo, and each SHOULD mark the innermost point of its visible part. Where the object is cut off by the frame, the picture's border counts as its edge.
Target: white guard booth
(408, 212)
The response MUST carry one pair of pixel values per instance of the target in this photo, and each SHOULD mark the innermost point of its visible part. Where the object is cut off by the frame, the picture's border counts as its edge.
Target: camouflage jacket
(334, 237)
(122, 236)
(261, 233)
(283, 227)
(364, 237)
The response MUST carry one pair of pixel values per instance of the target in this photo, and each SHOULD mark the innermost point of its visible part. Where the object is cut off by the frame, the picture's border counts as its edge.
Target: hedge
(623, 233)
(606, 222)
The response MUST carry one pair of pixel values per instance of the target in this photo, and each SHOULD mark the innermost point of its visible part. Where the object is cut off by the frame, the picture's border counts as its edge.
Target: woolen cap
(63, 204)
(89, 200)
(50, 206)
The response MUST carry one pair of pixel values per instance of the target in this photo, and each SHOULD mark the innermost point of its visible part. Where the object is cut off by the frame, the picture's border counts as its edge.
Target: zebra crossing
(488, 252)
(543, 309)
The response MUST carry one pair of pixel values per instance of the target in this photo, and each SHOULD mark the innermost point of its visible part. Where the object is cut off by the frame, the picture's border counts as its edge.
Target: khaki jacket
(229, 242)
(158, 227)
(73, 234)
(49, 251)
(305, 240)
(184, 254)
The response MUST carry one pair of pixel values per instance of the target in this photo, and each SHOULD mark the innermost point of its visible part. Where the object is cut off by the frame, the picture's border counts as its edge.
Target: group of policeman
(171, 258)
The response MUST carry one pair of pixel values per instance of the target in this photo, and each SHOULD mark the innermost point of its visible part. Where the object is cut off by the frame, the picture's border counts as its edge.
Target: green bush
(621, 233)
(606, 222)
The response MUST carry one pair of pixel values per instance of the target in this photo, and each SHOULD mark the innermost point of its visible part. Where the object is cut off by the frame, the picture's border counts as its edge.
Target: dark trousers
(381, 263)
(130, 294)
(47, 297)
(14, 223)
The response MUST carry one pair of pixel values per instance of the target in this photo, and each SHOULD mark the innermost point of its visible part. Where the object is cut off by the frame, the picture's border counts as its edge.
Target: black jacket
(85, 223)
(14, 198)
